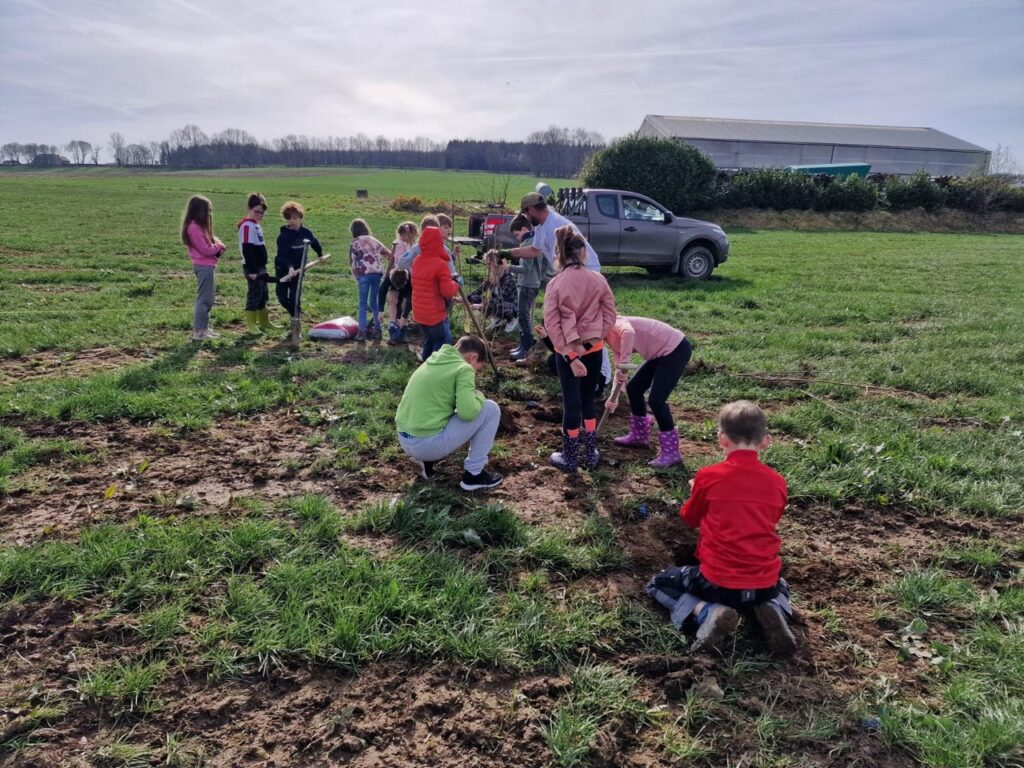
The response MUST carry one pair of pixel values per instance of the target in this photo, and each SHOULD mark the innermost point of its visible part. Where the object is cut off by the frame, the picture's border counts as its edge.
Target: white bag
(338, 329)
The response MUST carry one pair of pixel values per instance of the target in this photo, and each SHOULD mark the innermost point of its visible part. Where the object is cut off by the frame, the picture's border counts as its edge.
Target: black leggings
(660, 375)
(578, 393)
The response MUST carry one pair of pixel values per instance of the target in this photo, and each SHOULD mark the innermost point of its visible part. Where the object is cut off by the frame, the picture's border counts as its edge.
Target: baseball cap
(532, 200)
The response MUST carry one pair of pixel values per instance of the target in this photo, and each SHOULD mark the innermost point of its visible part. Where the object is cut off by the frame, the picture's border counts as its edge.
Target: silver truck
(630, 230)
(626, 229)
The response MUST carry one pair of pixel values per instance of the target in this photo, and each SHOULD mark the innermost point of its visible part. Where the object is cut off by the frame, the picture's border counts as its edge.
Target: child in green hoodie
(442, 410)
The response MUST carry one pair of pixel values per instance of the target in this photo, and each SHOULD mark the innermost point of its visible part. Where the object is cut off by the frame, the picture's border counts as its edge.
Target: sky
(79, 70)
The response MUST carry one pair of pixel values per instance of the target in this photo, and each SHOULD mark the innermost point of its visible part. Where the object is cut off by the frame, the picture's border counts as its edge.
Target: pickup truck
(630, 230)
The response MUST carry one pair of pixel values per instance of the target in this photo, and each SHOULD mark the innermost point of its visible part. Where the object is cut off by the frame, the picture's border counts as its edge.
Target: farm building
(738, 144)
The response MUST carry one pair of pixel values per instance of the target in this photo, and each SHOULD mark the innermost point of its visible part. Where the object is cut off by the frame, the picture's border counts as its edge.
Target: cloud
(491, 70)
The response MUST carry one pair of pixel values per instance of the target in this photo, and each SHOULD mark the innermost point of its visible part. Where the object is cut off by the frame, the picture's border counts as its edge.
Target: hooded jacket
(289, 247)
(432, 281)
(443, 386)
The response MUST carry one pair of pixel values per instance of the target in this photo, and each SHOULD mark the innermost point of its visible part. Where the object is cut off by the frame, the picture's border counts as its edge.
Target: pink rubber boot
(668, 455)
(639, 431)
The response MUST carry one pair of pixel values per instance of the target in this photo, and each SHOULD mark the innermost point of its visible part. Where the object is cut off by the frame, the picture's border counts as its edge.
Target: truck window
(607, 206)
(635, 209)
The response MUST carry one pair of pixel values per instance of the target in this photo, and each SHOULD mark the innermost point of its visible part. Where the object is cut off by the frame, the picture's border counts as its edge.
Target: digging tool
(479, 333)
(310, 265)
(616, 391)
(297, 317)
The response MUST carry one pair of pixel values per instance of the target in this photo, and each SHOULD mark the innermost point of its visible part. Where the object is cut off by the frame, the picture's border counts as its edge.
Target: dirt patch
(70, 364)
(157, 472)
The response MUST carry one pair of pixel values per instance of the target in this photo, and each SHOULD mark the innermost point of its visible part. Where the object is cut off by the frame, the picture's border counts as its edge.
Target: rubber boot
(251, 321)
(590, 453)
(668, 444)
(639, 431)
(568, 458)
(263, 316)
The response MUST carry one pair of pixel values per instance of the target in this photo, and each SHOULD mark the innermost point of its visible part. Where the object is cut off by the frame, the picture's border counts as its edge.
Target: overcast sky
(81, 69)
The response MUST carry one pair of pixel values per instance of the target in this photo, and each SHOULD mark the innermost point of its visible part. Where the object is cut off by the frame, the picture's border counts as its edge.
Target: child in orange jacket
(432, 284)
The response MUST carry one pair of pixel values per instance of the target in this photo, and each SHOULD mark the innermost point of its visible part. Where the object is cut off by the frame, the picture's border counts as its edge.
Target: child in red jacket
(432, 283)
(736, 505)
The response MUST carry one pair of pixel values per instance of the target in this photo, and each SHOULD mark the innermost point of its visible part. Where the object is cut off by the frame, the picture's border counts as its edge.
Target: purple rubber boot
(639, 431)
(568, 458)
(668, 455)
(590, 453)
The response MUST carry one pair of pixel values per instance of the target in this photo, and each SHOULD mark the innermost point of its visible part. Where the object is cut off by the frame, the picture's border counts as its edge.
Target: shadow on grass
(673, 284)
(143, 377)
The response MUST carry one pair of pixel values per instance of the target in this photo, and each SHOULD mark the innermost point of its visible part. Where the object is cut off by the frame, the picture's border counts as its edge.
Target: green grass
(268, 592)
(18, 454)
(601, 697)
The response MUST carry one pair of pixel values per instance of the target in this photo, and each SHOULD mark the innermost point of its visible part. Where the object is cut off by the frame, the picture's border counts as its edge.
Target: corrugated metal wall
(758, 154)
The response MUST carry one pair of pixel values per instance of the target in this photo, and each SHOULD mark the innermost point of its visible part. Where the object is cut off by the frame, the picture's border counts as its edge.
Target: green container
(833, 169)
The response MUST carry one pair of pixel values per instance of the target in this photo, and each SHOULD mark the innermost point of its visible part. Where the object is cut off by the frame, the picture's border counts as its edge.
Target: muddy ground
(398, 714)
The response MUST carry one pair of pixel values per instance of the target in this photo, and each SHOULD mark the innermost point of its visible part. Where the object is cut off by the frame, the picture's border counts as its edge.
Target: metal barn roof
(805, 133)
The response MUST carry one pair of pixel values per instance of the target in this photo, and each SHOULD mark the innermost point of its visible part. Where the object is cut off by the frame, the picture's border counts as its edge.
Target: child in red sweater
(736, 505)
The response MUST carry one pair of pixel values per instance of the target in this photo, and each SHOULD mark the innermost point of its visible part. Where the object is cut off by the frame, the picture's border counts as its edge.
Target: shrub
(850, 194)
(678, 176)
(918, 191)
(411, 204)
(983, 194)
(772, 188)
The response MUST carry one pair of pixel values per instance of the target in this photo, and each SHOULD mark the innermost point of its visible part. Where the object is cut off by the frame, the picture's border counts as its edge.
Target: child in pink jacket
(204, 249)
(579, 312)
(666, 351)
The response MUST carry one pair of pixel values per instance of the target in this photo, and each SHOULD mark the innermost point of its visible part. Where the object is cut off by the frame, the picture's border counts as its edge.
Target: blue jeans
(369, 287)
(434, 337)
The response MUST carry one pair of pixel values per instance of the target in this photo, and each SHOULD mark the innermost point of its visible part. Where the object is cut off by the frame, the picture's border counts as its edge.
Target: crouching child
(441, 410)
(736, 505)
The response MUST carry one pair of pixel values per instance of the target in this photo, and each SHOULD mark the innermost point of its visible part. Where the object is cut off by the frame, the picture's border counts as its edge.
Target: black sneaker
(481, 481)
(426, 469)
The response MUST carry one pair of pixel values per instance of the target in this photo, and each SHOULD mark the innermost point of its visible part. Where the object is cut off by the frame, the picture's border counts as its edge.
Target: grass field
(216, 555)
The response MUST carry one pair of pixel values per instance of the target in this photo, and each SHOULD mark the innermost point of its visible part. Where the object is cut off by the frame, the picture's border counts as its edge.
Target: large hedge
(917, 191)
(679, 176)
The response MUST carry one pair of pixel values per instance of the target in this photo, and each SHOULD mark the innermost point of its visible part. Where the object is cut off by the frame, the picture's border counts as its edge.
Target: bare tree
(79, 150)
(10, 152)
(117, 147)
(1004, 162)
(94, 154)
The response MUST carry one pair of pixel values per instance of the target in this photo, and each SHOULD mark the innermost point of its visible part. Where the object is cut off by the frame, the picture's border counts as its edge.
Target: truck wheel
(696, 263)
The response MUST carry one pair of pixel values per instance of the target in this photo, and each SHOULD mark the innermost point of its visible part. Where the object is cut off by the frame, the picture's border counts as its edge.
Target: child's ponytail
(570, 247)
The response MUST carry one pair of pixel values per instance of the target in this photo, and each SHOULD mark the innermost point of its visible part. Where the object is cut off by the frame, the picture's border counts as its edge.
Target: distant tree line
(555, 151)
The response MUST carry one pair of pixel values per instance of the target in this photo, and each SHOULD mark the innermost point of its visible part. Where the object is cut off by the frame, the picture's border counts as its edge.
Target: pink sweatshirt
(202, 252)
(649, 338)
(578, 306)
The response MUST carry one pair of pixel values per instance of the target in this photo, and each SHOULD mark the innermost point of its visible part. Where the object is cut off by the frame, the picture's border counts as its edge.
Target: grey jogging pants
(204, 297)
(479, 433)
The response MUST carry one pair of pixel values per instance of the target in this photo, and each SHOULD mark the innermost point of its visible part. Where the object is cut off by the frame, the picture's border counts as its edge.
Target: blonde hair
(430, 220)
(443, 220)
(290, 208)
(570, 247)
(407, 228)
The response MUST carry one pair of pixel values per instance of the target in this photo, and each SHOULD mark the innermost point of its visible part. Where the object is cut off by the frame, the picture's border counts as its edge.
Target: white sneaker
(513, 326)
(208, 334)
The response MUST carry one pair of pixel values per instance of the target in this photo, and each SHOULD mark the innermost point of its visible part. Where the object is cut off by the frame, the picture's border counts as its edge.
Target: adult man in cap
(545, 221)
